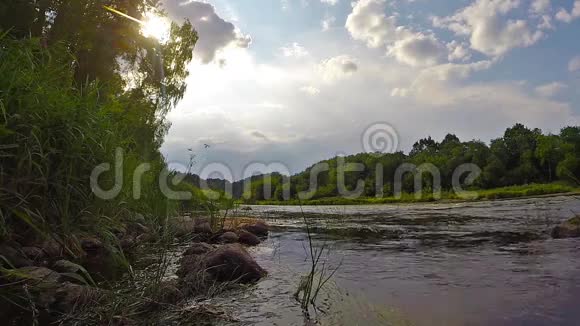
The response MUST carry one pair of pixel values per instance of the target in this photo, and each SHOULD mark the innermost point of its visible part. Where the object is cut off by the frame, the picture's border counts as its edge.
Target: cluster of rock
(222, 258)
(58, 278)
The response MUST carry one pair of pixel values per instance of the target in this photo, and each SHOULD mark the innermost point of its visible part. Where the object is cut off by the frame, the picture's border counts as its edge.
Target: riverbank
(526, 191)
(160, 276)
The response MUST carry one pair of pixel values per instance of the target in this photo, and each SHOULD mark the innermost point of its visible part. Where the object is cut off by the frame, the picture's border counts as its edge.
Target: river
(474, 263)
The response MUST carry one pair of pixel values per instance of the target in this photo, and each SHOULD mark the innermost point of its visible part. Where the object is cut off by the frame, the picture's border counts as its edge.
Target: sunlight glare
(156, 27)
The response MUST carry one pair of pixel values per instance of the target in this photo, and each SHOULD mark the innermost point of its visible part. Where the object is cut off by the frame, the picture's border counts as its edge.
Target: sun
(156, 27)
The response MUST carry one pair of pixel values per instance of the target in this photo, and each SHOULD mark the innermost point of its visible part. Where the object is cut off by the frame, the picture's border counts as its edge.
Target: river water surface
(478, 263)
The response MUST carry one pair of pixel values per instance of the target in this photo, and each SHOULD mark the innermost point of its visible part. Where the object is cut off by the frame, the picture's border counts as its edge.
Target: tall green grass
(53, 133)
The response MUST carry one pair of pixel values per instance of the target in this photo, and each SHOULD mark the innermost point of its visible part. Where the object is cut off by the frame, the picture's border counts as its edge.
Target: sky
(299, 81)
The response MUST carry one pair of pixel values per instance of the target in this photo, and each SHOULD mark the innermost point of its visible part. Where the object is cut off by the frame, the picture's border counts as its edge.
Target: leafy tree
(549, 152)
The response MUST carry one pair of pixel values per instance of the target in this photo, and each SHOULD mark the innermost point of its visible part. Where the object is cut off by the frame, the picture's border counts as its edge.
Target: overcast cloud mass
(298, 81)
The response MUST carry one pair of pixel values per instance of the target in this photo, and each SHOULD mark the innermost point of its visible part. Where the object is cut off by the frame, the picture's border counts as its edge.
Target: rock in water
(248, 238)
(259, 228)
(228, 263)
(233, 263)
(568, 229)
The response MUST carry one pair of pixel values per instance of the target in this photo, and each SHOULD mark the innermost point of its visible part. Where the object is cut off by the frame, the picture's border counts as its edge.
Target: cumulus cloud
(294, 50)
(453, 71)
(337, 68)
(574, 64)
(329, 2)
(214, 32)
(418, 50)
(487, 27)
(550, 89)
(458, 51)
(368, 23)
(567, 17)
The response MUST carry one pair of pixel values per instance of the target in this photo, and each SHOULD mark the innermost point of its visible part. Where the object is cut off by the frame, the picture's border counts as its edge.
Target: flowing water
(480, 263)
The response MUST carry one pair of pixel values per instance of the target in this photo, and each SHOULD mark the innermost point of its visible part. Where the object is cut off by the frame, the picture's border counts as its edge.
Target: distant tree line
(521, 156)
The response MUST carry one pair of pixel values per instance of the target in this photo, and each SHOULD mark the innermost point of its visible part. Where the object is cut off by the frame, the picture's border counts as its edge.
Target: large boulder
(228, 263)
(228, 237)
(258, 228)
(248, 238)
(568, 229)
(231, 263)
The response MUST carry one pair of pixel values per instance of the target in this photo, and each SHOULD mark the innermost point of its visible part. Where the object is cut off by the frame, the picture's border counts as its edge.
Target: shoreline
(371, 202)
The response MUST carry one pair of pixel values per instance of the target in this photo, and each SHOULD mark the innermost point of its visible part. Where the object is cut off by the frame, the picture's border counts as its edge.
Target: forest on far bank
(521, 156)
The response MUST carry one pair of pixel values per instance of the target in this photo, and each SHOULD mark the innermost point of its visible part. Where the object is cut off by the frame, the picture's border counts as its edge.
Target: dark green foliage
(69, 99)
(522, 156)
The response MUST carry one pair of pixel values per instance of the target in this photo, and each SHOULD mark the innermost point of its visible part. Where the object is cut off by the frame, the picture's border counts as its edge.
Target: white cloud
(337, 68)
(368, 23)
(567, 17)
(489, 31)
(327, 23)
(540, 6)
(458, 51)
(294, 50)
(574, 64)
(550, 89)
(214, 32)
(253, 110)
(418, 50)
(311, 90)
(329, 2)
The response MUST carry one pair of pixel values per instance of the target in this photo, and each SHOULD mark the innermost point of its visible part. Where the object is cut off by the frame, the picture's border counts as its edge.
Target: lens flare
(156, 27)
